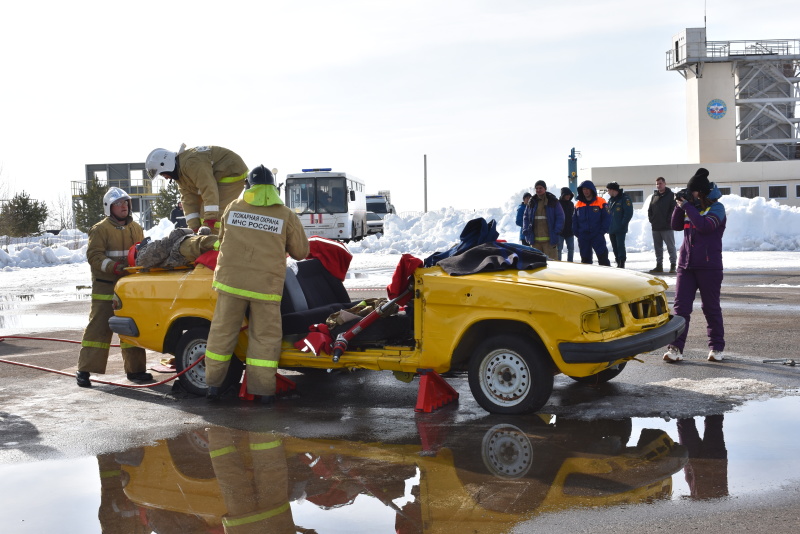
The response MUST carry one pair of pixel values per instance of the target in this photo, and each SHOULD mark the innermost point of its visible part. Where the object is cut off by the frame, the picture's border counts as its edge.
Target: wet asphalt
(45, 416)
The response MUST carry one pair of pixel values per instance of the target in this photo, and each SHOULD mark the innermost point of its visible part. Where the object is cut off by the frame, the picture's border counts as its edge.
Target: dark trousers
(707, 469)
(618, 246)
(709, 282)
(598, 244)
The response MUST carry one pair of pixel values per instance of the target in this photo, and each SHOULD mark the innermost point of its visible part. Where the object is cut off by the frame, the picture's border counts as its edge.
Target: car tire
(508, 374)
(600, 378)
(191, 346)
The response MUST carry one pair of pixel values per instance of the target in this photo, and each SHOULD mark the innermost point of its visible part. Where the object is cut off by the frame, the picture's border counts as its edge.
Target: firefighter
(107, 252)
(209, 178)
(257, 231)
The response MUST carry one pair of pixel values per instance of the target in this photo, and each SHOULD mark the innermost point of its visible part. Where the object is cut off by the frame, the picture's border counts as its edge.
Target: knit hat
(541, 182)
(567, 191)
(613, 185)
(699, 182)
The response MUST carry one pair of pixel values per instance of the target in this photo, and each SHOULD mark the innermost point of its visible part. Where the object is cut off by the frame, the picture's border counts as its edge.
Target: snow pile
(753, 225)
(721, 387)
(43, 251)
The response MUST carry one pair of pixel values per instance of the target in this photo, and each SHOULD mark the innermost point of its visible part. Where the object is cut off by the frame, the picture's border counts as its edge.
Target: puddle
(495, 473)
(33, 311)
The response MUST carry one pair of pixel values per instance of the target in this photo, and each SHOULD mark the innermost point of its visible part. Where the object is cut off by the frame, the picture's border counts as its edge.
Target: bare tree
(60, 214)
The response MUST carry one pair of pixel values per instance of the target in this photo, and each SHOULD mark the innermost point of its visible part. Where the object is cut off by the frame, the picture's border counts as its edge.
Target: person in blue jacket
(590, 224)
(621, 209)
(520, 214)
(543, 220)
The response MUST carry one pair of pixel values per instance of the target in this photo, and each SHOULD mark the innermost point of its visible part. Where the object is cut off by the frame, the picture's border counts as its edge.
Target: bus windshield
(377, 205)
(316, 195)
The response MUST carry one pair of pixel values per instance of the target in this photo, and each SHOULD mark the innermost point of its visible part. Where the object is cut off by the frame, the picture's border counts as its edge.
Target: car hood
(606, 285)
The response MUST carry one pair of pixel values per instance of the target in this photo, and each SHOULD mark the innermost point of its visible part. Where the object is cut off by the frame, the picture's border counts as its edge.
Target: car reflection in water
(485, 477)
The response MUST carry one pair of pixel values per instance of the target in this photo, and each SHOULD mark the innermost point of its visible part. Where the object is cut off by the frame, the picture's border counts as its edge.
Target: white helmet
(114, 194)
(158, 161)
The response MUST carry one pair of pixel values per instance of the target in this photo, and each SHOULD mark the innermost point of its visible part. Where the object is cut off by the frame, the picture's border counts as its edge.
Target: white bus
(329, 204)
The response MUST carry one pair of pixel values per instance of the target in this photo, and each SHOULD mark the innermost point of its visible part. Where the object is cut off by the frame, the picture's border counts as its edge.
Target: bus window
(300, 195)
(332, 195)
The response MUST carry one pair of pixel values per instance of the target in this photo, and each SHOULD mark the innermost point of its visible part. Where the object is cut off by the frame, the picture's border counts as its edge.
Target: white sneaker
(715, 356)
(672, 354)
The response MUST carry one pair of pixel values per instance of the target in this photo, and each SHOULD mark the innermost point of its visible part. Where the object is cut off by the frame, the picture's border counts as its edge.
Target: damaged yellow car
(510, 330)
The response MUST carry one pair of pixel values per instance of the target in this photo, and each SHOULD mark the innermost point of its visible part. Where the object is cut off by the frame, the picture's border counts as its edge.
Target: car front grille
(649, 307)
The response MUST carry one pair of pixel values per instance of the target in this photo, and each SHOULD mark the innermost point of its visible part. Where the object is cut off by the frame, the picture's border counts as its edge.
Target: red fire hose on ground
(72, 375)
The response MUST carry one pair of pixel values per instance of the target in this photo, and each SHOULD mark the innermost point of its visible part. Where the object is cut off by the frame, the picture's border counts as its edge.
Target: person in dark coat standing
(659, 212)
(702, 218)
(177, 217)
(621, 209)
(543, 220)
(566, 235)
(590, 224)
(520, 215)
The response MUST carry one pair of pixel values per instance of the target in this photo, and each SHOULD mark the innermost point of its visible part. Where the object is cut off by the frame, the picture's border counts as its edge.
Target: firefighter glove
(119, 268)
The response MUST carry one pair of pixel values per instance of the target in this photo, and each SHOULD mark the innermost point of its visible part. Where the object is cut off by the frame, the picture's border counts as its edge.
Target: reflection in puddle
(485, 476)
(30, 311)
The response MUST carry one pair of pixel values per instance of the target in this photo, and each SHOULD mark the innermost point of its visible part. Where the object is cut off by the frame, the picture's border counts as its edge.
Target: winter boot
(82, 377)
(659, 268)
(621, 264)
(141, 376)
(672, 267)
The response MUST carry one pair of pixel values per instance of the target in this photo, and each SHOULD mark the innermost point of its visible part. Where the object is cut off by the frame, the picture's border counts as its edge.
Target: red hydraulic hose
(91, 379)
(46, 339)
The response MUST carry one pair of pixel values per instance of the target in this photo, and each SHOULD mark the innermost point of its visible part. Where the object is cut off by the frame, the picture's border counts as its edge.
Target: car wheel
(602, 377)
(508, 374)
(191, 347)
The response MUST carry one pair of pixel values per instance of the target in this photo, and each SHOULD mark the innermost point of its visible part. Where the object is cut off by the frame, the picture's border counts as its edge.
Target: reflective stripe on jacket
(200, 170)
(253, 242)
(108, 244)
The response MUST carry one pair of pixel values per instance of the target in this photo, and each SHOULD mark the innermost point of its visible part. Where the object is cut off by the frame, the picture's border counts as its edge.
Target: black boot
(82, 377)
(659, 268)
(213, 393)
(141, 376)
(672, 267)
(621, 264)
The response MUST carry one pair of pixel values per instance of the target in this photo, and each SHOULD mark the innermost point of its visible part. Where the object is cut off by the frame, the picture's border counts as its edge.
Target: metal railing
(717, 50)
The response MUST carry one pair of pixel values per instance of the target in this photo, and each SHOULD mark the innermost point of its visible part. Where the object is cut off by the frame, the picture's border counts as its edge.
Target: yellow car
(511, 330)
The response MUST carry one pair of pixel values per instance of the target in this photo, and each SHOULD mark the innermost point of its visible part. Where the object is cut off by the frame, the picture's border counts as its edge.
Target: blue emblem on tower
(716, 109)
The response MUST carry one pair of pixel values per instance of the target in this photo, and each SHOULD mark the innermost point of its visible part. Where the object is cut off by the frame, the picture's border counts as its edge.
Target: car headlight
(602, 320)
(116, 303)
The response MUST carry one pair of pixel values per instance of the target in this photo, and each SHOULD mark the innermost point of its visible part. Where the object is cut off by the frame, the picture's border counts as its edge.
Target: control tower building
(742, 107)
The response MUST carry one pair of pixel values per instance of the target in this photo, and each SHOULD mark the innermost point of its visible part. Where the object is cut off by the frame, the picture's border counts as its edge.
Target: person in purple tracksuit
(701, 216)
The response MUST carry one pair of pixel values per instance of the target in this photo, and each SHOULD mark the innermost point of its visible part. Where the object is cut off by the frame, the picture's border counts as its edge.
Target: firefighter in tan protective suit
(109, 241)
(209, 178)
(257, 231)
(253, 477)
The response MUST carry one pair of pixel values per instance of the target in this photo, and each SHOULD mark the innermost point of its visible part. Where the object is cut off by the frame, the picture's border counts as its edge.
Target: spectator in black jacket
(177, 217)
(566, 235)
(659, 212)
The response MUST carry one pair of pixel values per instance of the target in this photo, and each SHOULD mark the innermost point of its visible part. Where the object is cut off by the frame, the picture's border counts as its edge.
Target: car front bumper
(609, 351)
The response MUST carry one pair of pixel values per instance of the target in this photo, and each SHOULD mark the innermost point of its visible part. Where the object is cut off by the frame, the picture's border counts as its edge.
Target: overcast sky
(495, 92)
